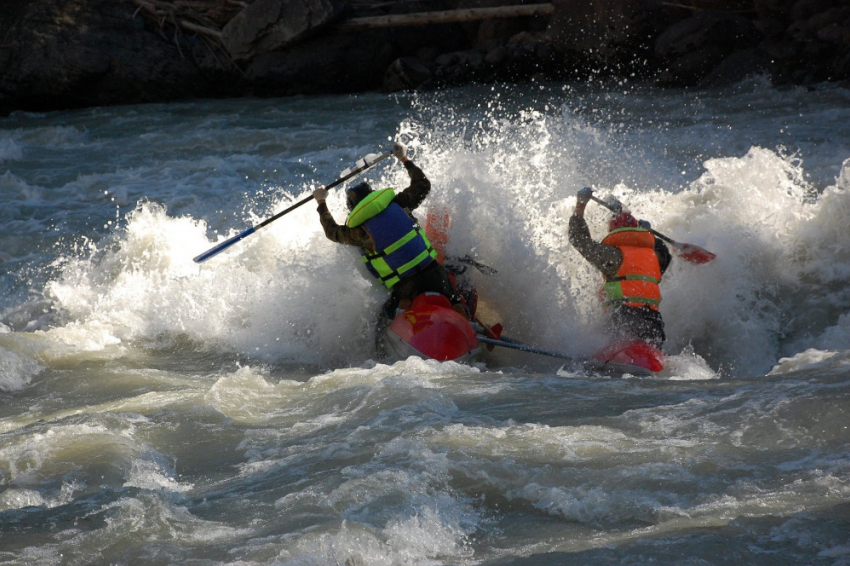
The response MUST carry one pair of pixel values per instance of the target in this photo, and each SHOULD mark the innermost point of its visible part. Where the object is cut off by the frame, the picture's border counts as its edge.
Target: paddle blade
(223, 246)
(693, 253)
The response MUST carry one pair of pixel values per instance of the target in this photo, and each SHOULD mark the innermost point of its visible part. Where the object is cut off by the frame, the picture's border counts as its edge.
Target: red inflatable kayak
(431, 329)
(630, 356)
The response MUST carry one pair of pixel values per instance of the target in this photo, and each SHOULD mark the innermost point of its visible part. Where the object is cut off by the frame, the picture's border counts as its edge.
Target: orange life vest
(637, 279)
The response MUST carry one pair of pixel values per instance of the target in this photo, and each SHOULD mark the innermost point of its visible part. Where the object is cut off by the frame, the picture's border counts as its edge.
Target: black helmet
(357, 193)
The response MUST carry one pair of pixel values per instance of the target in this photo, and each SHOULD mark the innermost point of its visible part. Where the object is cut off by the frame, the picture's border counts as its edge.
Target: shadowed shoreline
(80, 53)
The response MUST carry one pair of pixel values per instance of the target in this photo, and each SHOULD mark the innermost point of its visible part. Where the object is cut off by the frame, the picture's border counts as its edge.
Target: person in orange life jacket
(632, 262)
(394, 247)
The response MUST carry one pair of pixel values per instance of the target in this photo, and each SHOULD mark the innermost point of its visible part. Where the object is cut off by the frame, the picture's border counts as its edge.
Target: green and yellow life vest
(401, 246)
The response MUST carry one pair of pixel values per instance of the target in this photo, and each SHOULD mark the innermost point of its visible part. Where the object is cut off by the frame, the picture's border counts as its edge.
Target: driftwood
(208, 18)
(205, 17)
(738, 6)
(200, 29)
(444, 17)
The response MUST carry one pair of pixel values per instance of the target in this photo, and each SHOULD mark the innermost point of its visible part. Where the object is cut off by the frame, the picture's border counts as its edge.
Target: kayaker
(632, 261)
(377, 222)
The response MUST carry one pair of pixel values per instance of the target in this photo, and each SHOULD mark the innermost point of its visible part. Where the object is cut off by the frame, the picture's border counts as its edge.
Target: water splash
(508, 171)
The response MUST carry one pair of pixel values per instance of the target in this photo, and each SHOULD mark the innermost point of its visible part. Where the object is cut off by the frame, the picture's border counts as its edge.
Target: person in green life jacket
(632, 262)
(393, 246)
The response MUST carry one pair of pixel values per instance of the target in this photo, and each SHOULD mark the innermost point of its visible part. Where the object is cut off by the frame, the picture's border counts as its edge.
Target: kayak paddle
(523, 347)
(604, 366)
(688, 252)
(492, 336)
(358, 167)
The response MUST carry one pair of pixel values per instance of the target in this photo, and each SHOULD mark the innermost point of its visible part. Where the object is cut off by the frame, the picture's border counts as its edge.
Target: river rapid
(158, 411)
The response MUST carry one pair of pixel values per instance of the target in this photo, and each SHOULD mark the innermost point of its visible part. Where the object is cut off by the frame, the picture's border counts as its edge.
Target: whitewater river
(156, 411)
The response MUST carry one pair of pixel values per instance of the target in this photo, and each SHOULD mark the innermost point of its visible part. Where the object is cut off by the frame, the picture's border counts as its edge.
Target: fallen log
(201, 29)
(159, 8)
(444, 17)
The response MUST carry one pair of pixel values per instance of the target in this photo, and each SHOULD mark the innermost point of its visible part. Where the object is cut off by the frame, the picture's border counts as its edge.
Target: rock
(78, 53)
(582, 24)
(691, 48)
(832, 34)
(773, 7)
(779, 49)
(525, 57)
(268, 25)
(805, 9)
(737, 67)
(327, 64)
(470, 60)
(770, 27)
(496, 56)
(841, 69)
(406, 73)
(459, 67)
(721, 29)
(830, 25)
(57, 54)
(493, 33)
(608, 36)
(428, 54)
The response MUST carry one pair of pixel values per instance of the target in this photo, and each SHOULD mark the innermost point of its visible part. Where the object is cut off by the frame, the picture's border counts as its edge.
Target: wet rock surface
(73, 53)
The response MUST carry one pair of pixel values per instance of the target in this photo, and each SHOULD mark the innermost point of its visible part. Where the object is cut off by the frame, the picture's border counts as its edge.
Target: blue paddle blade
(223, 246)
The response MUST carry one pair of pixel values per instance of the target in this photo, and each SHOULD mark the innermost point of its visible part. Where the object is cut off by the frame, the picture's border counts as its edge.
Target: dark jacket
(409, 199)
(605, 258)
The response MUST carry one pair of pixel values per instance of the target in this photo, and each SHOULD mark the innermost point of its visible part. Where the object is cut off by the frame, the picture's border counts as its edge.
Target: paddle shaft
(690, 252)
(617, 210)
(524, 348)
(229, 242)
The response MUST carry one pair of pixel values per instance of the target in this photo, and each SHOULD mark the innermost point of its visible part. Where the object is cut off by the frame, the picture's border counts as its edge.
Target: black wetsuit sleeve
(606, 259)
(663, 254)
(413, 195)
(356, 236)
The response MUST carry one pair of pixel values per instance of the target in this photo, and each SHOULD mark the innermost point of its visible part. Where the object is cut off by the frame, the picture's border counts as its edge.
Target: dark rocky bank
(59, 54)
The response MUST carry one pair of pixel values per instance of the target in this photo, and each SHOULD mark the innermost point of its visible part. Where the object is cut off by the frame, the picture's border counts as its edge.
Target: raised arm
(356, 236)
(606, 259)
(411, 197)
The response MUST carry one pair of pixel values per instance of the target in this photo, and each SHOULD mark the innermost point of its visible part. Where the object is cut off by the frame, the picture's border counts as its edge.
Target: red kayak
(629, 356)
(431, 329)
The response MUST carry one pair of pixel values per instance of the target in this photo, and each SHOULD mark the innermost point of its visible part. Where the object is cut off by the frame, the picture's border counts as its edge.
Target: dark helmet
(357, 193)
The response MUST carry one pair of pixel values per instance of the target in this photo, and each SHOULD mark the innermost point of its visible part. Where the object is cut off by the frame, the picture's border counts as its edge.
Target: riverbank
(79, 53)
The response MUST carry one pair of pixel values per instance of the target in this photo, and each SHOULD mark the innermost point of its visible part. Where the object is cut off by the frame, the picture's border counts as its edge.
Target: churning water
(158, 411)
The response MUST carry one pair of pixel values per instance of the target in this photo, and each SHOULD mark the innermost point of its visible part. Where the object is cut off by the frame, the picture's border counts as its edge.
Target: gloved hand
(320, 194)
(583, 196)
(644, 224)
(399, 151)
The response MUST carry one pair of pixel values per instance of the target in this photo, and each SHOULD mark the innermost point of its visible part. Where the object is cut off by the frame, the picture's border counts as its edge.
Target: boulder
(582, 25)
(76, 53)
(495, 33)
(609, 36)
(772, 7)
(805, 9)
(830, 25)
(691, 48)
(269, 25)
(406, 73)
(737, 67)
(460, 67)
(327, 64)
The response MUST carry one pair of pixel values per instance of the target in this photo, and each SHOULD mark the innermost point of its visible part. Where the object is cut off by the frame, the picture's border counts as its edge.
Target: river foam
(507, 171)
